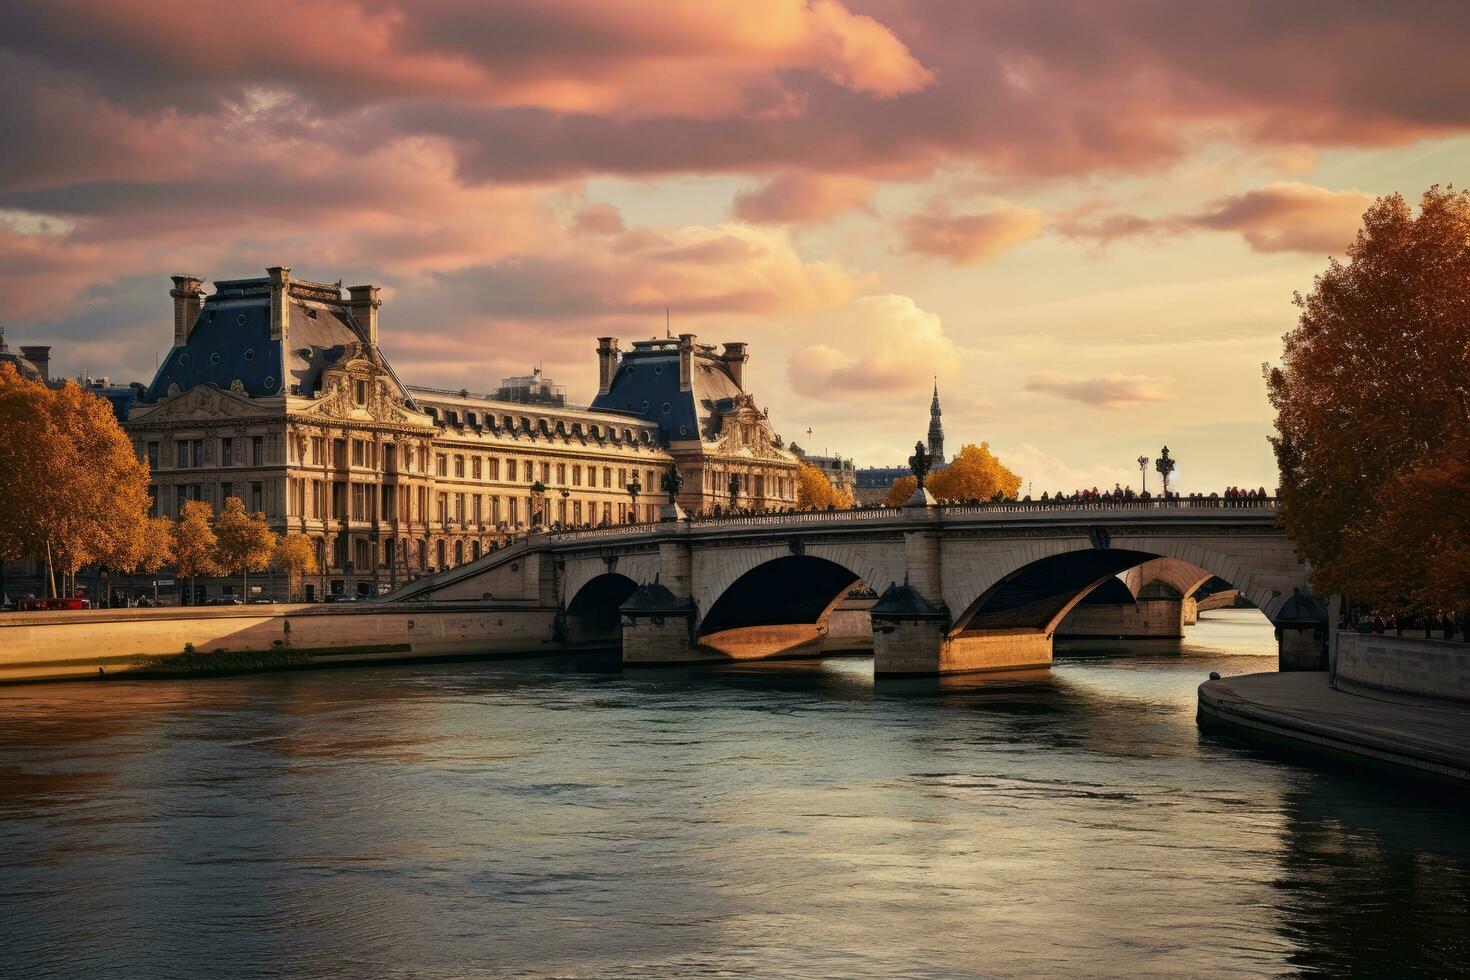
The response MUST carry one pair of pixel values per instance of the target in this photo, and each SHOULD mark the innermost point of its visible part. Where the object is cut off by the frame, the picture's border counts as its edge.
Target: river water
(561, 818)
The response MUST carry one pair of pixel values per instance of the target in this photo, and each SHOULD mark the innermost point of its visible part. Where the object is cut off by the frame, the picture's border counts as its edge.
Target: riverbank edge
(1225, 710)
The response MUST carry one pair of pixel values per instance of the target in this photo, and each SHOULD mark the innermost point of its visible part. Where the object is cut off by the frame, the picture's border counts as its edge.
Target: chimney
(686, 362)
(280, 285)
(364, 304)
(187, 296)
(607, 363)
(735, 358)
(41, 358)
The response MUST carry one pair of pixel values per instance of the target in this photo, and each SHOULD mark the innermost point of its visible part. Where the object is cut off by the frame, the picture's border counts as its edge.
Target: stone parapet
(1417, 666)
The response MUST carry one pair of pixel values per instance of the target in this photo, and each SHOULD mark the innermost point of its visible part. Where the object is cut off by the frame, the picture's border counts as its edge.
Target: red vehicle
(48, 605)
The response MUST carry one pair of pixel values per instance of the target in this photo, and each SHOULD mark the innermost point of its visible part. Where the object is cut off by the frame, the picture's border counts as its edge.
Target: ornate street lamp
(634, 489)
(538, 499)
(1165, 466)
(1143, 473)
(920, 463)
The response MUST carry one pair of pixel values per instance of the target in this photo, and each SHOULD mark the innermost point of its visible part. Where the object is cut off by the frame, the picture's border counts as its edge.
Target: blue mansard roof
(647, 384)
(231, 341)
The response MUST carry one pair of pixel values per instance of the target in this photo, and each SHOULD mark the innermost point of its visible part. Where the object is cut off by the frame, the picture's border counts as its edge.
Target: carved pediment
(203, 403)
(383, 403)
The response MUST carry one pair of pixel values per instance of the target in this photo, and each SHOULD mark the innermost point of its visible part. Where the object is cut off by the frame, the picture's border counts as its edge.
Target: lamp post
(1165, 466)
(538, 498)
(1143, 473)
(634, 489)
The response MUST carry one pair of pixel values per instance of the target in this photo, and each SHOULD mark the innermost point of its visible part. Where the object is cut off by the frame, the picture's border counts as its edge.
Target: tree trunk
(50, 574)
(244, 585)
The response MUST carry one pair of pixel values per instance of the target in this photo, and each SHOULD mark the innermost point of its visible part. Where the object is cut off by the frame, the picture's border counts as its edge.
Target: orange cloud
(969, 239)
(1290, 217)
(888, 345)
(802, 197)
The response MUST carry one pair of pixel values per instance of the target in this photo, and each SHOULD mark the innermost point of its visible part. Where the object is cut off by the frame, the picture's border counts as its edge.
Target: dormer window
(360, 392)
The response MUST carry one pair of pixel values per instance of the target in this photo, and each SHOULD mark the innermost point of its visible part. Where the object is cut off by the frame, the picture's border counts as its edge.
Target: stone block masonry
(62, 645)
(1401, 664)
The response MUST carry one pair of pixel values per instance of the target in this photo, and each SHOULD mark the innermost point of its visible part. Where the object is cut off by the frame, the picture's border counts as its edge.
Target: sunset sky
(1088, 219)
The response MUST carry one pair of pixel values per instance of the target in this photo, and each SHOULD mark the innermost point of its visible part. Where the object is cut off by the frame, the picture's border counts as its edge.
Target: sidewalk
(1300, 711)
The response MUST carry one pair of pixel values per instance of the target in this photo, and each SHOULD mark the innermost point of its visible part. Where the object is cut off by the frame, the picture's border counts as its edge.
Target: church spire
(936, 427)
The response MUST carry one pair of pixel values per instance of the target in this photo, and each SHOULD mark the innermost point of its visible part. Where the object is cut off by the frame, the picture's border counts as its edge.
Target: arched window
(388, 552)
(423, 553)
(439, 552)
(475, 551)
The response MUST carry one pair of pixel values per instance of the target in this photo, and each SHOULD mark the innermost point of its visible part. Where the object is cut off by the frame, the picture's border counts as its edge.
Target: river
(559, 817)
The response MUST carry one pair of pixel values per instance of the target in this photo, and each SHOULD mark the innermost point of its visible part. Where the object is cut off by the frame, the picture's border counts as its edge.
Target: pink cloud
(969, 239)
(1108, 391)
(1289, 217)
(802, 197)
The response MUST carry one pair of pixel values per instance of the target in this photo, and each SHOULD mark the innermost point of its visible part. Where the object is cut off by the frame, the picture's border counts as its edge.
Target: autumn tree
(815, 492)
(903, 488)
(1371, 412)
(151, 548)
(296, 556)
(975, 474)
(194, 542)
(244, 542)
(72, 490)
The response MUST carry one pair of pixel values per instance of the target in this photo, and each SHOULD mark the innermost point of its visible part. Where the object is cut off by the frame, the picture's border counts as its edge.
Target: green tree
(244, 542)
(1370, 400)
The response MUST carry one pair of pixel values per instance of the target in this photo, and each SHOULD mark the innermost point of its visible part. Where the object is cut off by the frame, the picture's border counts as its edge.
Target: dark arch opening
(1035, 595)
(1113, 592)
(793, 589)
(592, 615)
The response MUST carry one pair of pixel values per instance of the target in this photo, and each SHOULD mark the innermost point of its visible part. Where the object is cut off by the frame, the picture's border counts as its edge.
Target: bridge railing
(1152, 503)
(807, 518)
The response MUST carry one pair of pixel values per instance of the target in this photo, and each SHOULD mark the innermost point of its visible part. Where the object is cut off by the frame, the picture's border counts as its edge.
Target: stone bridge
(961, 588)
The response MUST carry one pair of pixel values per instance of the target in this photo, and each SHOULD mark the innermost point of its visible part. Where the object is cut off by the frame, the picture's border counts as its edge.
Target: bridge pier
(658, 628)
(1158, 613)
(911, 637)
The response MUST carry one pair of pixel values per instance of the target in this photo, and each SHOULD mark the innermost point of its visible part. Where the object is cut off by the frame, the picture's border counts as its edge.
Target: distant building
(532, 389)
(874, 482)
(840, 472)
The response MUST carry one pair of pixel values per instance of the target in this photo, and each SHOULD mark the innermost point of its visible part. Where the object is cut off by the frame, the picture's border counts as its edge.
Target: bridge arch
(592, 615)
(1034, 587)
(779, 607)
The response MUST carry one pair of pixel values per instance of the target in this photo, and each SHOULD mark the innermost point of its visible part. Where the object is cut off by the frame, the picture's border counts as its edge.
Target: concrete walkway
(1300, 711)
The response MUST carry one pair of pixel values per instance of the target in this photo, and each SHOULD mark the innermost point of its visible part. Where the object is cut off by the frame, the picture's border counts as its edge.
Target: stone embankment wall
(1401, 664)
(59, 645)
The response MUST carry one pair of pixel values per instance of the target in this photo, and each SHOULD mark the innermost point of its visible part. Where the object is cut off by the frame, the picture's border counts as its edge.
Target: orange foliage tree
(72, 490)
(903, 488)
(1371, 411)
(296, 556)
(194, 543)
(975, 474)
(244, 542)
(815, 492)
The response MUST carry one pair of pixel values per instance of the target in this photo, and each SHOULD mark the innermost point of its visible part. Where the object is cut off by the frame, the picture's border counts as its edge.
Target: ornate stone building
(277, 392)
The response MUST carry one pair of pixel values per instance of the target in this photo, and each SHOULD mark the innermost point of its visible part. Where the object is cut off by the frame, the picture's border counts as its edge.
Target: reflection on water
(558, 817)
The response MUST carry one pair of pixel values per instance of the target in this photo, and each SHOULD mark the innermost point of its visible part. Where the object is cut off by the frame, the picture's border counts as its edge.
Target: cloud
(888, 345)
(969, 239)
(1286, 216)
(1289, 217)
(1050, 474)
(598, 219)
(1109, 391)
(802, 197)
